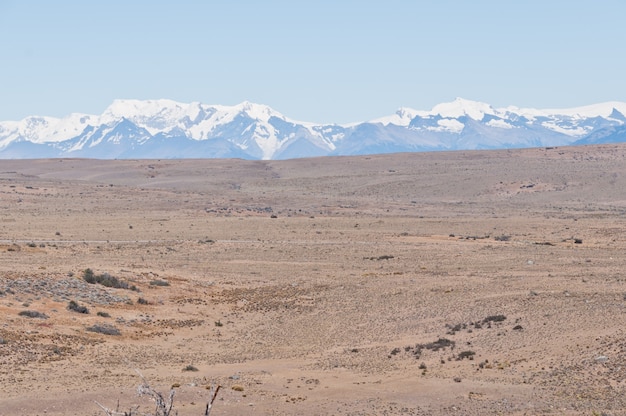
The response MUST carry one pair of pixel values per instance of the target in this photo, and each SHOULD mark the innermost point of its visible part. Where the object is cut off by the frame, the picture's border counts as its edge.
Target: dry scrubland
(467, 283)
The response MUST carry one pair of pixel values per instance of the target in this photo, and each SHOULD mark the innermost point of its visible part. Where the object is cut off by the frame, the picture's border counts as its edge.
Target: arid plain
(469, 283)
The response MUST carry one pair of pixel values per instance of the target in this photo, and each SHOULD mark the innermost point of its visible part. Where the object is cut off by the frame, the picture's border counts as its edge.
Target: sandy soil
(470, 283)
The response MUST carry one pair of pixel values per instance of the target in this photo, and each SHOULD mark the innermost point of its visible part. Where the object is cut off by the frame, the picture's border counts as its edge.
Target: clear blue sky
(322, 61)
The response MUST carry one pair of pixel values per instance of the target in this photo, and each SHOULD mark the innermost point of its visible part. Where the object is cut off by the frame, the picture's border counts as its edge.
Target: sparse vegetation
(453, 329)
(417, 350)
(190, 368)
(314, 292)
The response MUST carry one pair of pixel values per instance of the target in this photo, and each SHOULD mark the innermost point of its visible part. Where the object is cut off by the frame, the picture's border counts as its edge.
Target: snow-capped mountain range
(134, 129)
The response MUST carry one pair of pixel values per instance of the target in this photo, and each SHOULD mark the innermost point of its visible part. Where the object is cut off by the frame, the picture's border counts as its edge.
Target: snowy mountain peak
(169, 129)
(145, 108)
(402, 117)
(595, 110)
(256, 111)
(461, 107)
(617, 115)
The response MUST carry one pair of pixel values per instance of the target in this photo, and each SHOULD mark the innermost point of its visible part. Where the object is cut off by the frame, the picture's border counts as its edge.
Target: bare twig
(116, 412)
(209, 405)
(163, 406)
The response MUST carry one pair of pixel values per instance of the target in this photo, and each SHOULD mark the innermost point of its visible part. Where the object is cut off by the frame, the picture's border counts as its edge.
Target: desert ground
(448, 283)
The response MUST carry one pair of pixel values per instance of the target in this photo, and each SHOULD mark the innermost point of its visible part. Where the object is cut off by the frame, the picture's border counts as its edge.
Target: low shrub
(104, 329)
(494, 318)
(106, 280)
(33, 314)
(159, 283)
(383, 257)
(440, 344)
(73, 306)
(465, 354)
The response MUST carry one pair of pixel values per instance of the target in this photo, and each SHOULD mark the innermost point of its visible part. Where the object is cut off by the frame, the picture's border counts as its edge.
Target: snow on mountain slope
(588, 111)
(461, 107)
(247, 125)
(44, 129)
(402, 117)
(166, 128)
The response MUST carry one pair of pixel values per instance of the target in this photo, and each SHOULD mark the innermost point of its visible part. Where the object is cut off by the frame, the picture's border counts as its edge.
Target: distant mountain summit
(135, 129)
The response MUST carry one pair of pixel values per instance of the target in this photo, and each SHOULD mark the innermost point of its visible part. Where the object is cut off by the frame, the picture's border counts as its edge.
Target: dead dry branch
(163, 406)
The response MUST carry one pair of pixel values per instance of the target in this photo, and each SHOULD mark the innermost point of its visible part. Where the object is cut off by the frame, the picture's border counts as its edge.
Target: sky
(323, 61)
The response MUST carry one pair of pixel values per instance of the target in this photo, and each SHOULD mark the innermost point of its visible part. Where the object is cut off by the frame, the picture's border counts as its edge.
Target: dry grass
(321, 310)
